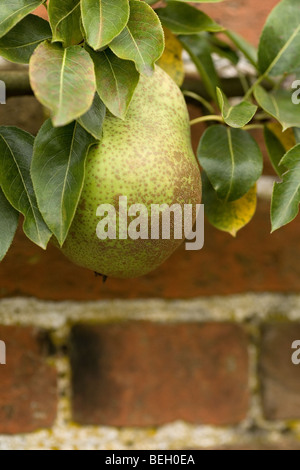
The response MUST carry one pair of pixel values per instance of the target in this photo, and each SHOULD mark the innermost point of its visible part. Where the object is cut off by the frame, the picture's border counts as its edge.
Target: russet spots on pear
(147, 158)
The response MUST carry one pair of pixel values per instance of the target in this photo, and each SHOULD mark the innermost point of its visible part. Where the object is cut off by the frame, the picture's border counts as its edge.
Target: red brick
(145, 374)
(28, 395)
(246, 17)
(42, 12)
(280, 378)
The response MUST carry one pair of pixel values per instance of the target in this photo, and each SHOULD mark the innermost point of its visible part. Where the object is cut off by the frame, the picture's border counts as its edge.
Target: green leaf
(249, 51)
(103, 20)
(199, 49)
(92, 121)
(20, 42)
(278, 143)
(13, 11)
(279, 46)
(286, 195)
(65, 18)
(16, 148)
(279, 105)
(142, 40)
(116, 81)
(185, 19)
(235, 116)
(275, 150)
(57, 172)
(63, 80)
(229, 217)
(9, 219)
(231, 159)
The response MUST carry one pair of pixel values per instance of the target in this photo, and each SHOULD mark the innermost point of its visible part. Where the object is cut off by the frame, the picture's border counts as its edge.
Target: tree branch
(17, 84)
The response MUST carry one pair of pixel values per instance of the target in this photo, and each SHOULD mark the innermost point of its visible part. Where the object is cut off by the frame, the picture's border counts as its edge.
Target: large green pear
(147, 158)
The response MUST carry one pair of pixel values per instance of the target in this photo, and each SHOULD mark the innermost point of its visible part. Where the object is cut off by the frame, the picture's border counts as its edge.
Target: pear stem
(211, 117)
(250, 127)
(252, 88)
(200, 99)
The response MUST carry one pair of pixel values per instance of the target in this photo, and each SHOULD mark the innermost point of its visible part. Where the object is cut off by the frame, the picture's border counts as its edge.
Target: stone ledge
(250, 307)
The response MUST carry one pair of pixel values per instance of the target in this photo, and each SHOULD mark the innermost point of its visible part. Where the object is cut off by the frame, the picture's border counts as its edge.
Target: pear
(149, 159)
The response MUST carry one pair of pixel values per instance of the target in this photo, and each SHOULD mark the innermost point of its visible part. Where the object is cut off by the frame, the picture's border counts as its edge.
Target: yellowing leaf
(278, 143)
(287, 138)
(171, 60)
(228, 216)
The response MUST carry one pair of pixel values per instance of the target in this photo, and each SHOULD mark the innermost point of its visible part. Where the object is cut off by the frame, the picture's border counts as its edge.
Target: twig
(194, 96)
(207, 118)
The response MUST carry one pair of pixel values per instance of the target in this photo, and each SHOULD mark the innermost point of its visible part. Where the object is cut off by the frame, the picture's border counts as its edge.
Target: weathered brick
(28, 392)
(246, 17)
(145, 374)
(42, 12)
(280, 378)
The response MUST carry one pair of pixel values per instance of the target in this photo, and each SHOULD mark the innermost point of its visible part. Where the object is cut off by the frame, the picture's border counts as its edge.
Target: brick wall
(195, 355)
(132, 374)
